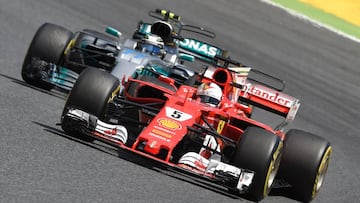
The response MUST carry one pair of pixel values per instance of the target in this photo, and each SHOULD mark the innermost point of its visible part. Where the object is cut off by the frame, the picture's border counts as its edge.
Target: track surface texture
(39, 163)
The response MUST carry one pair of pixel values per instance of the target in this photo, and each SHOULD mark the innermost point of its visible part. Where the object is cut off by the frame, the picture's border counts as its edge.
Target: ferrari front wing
(117, 135)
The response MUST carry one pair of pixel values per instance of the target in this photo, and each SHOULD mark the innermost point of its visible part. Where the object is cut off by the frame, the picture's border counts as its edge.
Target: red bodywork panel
(168, 128)
(182, 109)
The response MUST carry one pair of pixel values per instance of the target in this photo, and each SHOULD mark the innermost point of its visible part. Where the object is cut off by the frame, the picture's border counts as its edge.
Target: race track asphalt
(39, 163)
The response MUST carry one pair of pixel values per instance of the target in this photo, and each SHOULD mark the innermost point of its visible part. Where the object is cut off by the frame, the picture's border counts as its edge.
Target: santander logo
(270, 95)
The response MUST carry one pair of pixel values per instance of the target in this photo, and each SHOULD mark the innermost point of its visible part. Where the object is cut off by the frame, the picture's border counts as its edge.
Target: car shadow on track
(136, 159)
(283, 192)
(55, 92)
(278, 190)
(160, 168)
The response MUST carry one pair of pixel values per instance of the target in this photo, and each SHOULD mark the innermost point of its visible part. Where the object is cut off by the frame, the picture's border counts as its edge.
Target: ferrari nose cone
(152, 147)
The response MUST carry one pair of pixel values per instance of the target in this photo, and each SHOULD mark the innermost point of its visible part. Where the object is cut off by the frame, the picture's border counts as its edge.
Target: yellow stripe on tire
(273, 169)
(321, 172)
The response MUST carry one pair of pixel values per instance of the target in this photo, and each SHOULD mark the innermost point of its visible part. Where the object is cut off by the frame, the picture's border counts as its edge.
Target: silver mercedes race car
(56, 56)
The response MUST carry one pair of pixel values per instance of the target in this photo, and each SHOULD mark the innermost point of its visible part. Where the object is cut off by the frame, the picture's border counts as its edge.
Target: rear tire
(304, 163)
(48, 44)
(259, 151)
(91, 93)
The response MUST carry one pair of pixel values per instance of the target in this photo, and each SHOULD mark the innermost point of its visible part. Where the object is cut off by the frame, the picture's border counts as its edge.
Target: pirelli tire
(91, 93)
(260, 151)
(304, 163)
(48, 44)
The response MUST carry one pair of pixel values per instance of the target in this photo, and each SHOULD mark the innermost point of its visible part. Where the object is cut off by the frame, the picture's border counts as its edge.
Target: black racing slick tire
(260, 151)
(91, 93)
(304, 163)
(48, 44)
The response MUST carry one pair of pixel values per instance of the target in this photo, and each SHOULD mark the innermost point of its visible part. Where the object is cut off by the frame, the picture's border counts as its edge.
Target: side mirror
(112, 31)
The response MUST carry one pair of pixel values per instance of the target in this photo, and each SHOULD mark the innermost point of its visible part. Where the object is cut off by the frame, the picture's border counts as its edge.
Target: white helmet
(152, 44)
(210, 93)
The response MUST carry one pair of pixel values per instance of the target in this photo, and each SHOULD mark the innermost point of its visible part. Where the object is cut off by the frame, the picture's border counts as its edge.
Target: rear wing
(269, 99)
(258, 89)
(261, 94)
(272, 101)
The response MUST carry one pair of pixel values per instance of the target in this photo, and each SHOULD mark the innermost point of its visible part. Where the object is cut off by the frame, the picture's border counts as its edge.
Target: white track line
(312, 21)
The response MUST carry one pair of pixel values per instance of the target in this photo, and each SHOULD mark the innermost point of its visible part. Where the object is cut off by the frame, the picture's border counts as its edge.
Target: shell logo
(169, 124)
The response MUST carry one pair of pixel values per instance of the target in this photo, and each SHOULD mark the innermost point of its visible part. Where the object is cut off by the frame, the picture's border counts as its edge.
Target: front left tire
(260, 151)
(48, 44)
(91, 93)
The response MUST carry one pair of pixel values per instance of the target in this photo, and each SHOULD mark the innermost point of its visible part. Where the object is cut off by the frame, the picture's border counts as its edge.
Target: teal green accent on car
(161, 69)
(62, 77)
(145, 28)
(200, 47)
(142, 71)
(187, 57)
(63, 72)
(59, 76)
(151, 69)
(112, 31)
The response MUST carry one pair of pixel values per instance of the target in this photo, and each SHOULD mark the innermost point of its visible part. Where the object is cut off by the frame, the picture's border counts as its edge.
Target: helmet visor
(209, 100)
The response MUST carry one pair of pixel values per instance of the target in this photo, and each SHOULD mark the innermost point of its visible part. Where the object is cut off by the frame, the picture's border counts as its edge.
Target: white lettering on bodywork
(199, 46)
(269, 95)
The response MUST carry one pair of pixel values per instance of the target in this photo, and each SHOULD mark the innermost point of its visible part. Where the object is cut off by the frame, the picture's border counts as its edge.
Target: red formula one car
(194, 129)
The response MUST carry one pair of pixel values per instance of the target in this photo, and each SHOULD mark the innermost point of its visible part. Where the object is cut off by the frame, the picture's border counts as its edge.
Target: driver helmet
(209, 93)
(152, 44)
